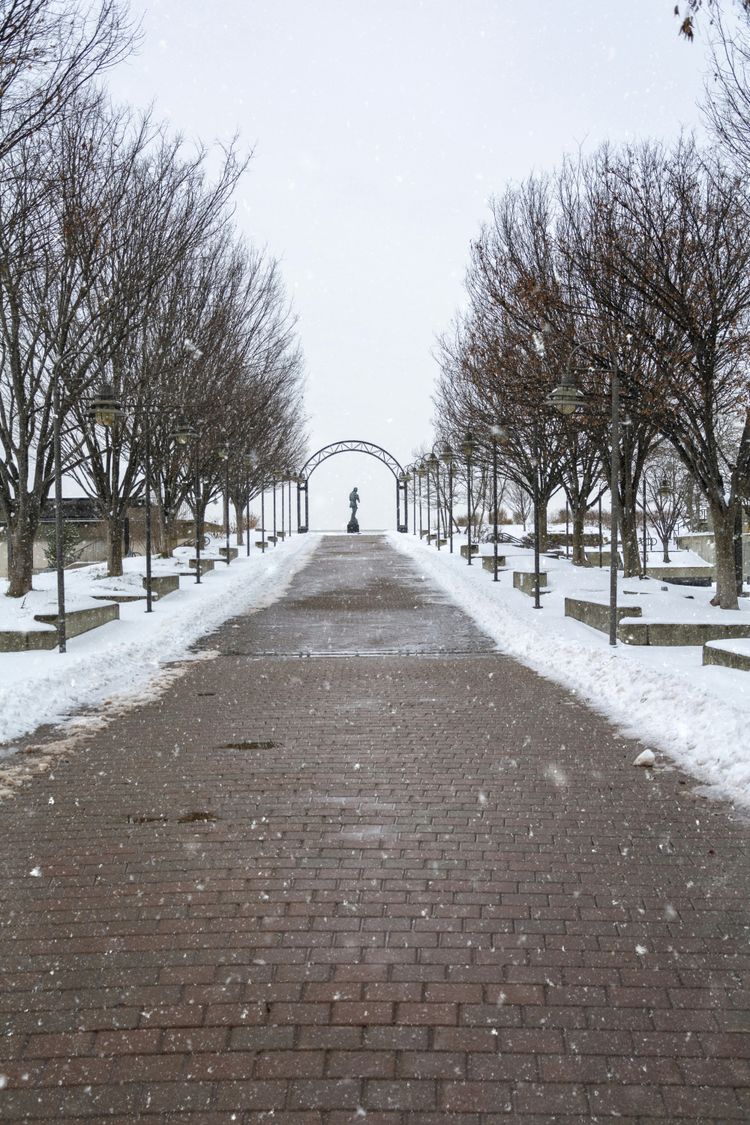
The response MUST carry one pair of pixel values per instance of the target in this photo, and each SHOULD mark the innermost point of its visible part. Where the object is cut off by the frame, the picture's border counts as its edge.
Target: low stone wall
(682, 575)
(163, 584)
(233, 553)
(596, 614)
(206, 565)
(671, 633)
(702, 542)
(726, 658)
(526, 581)
(465, 550)
(77, 621)
(488, 562)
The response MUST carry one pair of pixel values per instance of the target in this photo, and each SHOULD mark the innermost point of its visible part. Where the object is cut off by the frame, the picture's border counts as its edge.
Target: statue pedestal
(353, 526)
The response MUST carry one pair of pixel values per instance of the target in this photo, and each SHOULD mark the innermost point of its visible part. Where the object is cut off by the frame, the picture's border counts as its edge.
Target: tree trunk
(726, 581)
(22, 529)
(629, 533)
(665, 550)
(239, 520)
(579, 520)
(543, 502)
(114, 546)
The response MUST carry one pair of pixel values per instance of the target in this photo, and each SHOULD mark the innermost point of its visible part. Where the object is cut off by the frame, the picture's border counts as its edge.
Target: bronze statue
(353, 526)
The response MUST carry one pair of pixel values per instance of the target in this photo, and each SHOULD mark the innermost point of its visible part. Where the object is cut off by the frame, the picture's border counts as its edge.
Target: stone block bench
(465, 550)
(163, 584)
(206, 565)
(592, 558)
(77, 621)
(682, 575)
(728, 655)
(488, 562)
(680, 632)
(527, 580)
(596, 614)
(233, 553)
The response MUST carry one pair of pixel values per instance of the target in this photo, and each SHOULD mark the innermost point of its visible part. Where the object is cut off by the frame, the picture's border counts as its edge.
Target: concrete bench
(488, 562)
(465, 550)
(682, 575)
(596, 614)
(163, 584)
(715, 653)
(206, 565)
(526, 581)
(592, 558)
(233, 553)
(77, 621)
(679, 632)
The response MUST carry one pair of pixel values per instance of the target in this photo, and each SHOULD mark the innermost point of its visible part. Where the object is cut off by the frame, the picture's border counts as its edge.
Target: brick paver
(420, 884)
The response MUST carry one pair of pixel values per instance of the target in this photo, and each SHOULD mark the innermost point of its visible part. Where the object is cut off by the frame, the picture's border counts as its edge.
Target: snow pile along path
(126, 657)
(699, 716)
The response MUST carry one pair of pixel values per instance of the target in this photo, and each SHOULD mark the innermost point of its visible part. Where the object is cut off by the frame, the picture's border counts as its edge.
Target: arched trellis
(352, 447)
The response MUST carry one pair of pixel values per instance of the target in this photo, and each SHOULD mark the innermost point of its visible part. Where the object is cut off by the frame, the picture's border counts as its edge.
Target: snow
(697, 715)
(126, 657)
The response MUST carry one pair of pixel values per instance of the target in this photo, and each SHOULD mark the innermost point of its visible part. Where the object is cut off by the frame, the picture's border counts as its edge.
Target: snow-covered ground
(129, 656)
(699, 716)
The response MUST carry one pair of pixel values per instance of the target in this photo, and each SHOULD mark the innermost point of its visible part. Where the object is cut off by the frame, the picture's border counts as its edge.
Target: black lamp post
(184, 434)
(434, 464)
(468, 448)
(498, 434)
(421, 470)
(446, 456)
(224, 456)
(263, 518)
(273, 488)
(104, 410)
(566, 398)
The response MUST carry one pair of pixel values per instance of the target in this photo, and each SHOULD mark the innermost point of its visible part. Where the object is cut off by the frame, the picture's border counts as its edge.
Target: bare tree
(49, 51)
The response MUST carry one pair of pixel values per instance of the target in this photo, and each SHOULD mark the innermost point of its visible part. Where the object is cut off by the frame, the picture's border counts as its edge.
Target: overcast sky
(380, 128)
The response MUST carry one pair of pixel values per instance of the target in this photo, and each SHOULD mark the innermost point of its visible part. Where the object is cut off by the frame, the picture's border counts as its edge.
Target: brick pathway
(417, 888)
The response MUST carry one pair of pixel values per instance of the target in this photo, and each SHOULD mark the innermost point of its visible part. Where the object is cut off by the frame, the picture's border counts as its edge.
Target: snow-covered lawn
(125, 657)
(699, 716)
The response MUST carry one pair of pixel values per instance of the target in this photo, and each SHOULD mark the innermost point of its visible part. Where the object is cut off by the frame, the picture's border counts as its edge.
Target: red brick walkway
(401, 888)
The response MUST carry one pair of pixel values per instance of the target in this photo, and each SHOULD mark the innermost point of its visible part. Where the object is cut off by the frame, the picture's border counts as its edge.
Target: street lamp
(224, 456)
(105, 409)
(468, 448)
(446, 456)
(498, 434)
(403, 486)
(184, 435)
(421, 471)
(566, 399)
(434, 464)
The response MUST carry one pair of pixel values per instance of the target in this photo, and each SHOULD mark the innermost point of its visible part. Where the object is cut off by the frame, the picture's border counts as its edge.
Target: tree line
(122, 275)
(633, 261)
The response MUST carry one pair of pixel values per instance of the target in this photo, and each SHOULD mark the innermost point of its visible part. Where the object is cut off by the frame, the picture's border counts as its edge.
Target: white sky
(380, 130)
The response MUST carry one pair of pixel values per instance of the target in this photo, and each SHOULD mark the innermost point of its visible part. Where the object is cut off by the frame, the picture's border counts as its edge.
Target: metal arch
(351, 447)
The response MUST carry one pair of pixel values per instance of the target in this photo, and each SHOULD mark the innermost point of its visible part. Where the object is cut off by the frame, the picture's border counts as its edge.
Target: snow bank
(697, 715)
(127, 656)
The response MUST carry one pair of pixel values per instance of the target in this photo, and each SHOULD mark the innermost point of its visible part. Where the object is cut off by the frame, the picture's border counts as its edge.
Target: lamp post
(273, 493)
(446, 456)
(498, 433)
(644, 573)
(105, 409)
(59, 518)
(421, 470)
(403, 486)
(434, 464)
(224, 456)
(185, 434)
(566, 398)
(468, 448)
(263, 518)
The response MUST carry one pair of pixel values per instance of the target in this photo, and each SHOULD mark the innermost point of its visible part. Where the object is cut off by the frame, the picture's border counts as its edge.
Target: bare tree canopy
(49, 51)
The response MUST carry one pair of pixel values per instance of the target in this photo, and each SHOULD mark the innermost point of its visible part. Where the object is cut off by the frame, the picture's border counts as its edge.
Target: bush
(72, 545)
